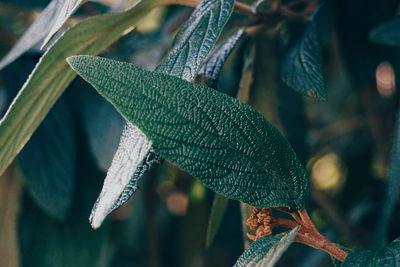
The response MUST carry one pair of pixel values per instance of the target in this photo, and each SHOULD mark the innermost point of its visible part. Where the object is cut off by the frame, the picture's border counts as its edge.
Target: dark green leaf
(387, 33)
(192, 45)
(387, 256)
(302, 67)
(225, 143)
(211, 68)
(48, 162)
(48, 242)
(216, 215)
(52, 75)
(267, 251)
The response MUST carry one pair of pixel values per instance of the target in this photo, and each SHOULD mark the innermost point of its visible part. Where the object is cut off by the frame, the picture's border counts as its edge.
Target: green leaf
(48, 162)
(387, 33)
(192, 45)
(194, 42)
(211, 68)
(225, 143)
(52, 75)
(302, 67)
(216, 215)
(385, 257)
(392, 192)
(267, 251)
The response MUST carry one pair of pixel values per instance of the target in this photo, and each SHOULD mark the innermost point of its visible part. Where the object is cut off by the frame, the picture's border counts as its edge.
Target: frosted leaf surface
(117, 184)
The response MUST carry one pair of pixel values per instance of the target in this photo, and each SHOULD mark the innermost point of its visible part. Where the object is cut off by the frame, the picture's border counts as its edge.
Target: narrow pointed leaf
(127, 160)
(223, 142)
(52, 75)
(65, 9)
(194, 42)
(211, 68)
(267, 251)
(216, 215)
(35, 33)
(387, 33)
(302, 67)
(48, 162)
(387, 256)
(192, 45)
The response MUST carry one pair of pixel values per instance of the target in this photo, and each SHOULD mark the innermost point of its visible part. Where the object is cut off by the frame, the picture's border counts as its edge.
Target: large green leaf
(387, 256)
(387, 33)
(225, 143)
(267, 251)
(52, 75)
(48, 161)
(193, 43)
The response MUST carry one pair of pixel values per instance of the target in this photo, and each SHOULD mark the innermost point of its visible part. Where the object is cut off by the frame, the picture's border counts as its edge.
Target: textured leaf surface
(195, 40)
(212, 67)
(387, 33)
(216, 215)
(302, 67)
(192, 45)
(267, 251)
(392, 192)
(48, 162)
(225, 143)
(387, 256)
(52, 75)
(121, 173)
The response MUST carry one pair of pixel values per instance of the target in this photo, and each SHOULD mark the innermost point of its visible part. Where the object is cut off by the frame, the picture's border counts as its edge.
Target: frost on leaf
(122, 176)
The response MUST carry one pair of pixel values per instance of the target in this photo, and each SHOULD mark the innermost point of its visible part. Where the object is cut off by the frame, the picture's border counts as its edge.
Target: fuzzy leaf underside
(52, 75)
(225, 143)
(267, 251)
(387, 256)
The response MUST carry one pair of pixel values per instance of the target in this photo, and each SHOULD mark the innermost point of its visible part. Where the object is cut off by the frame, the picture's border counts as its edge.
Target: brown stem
(310, 236)
(240, 7)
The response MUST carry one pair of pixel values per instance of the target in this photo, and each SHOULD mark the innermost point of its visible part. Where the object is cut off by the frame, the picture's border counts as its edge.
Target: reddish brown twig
(263, 223)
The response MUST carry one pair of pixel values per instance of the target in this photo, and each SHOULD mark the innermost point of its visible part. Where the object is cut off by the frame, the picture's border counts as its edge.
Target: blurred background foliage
(47, 194)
